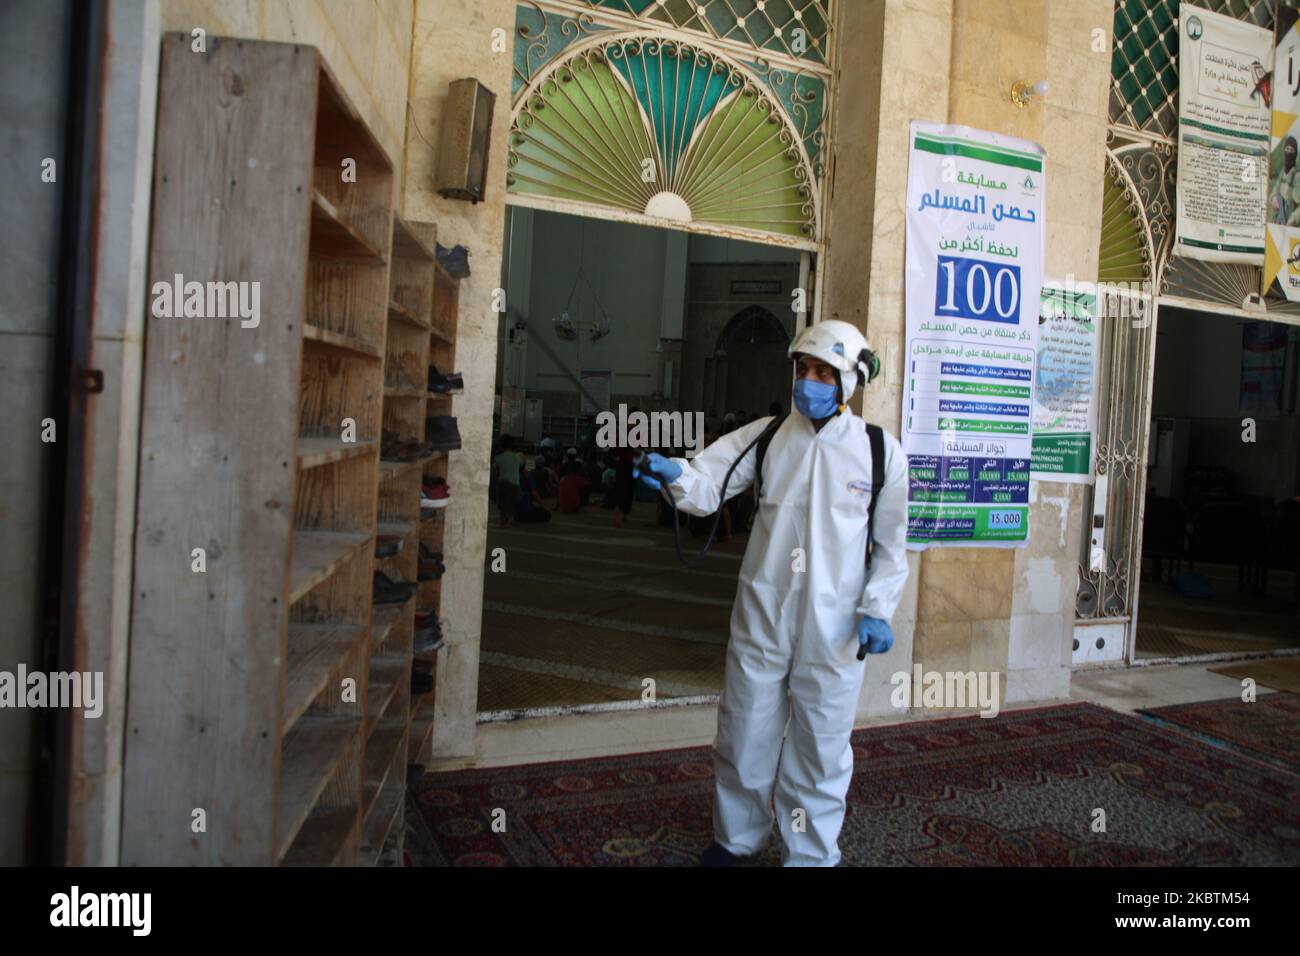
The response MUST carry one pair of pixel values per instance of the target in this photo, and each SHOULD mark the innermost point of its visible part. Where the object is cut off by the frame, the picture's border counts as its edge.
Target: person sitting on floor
(529, 508)
(573, 493)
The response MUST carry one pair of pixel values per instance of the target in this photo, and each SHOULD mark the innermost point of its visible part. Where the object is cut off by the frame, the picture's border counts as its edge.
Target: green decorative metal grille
(543, 34)
(667, 130)
(1126, 255)
(795, 28)
(1144, 60)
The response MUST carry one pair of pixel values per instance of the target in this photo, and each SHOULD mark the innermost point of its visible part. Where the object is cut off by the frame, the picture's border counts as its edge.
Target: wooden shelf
(315, 652)
(400, 391)
(389, 469)
(421, 726)
(385, 677)
(315, 451)
(333, 238)
(382, 620)
(312, 752)
(318, 554)
(325, 839)
(291, 790)
(347, 343)
(399, 528)
(408, 245)
(446, 338)
(404, 315)
(385, 811)
(388, 736)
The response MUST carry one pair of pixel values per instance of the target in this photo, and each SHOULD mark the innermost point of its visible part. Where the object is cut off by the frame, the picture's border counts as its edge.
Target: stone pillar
(955, 61)
(894, 63)
(453, 39)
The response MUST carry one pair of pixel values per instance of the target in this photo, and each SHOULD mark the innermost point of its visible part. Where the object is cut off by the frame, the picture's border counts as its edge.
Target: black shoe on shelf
(421, 683)
(388, 591)
(450, 384)
(442, 433)
(428, 640)
(454, 260)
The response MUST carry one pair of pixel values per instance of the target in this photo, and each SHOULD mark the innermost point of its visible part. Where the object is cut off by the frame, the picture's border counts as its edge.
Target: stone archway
(749, 368)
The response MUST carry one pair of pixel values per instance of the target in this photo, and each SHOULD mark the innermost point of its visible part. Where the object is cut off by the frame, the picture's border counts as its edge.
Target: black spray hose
(639, 457)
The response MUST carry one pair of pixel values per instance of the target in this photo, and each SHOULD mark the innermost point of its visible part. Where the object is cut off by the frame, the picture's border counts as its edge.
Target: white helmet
(841, 346)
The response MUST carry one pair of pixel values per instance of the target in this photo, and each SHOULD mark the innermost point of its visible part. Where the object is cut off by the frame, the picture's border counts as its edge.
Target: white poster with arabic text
(975, 240)
(1225, 66)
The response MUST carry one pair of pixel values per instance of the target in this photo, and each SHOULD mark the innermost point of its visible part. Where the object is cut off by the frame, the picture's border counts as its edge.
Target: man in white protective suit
(807, 608)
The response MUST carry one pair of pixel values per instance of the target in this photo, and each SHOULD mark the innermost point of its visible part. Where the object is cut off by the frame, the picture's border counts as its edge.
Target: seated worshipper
(508, 465)
(529, 508)
(572, 463)
(572, 495)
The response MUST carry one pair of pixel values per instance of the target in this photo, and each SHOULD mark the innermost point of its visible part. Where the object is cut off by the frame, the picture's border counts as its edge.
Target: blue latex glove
(874, 636)
(657, 465)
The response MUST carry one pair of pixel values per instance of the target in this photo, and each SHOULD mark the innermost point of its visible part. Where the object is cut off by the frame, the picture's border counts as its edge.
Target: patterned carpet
(1268, 729)
(1017, 790)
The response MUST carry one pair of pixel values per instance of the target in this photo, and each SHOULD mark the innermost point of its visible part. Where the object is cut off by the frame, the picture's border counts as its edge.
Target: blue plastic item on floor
(1192, 585)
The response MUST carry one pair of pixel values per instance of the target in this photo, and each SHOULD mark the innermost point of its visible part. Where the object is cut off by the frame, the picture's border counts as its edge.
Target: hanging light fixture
(569, 323)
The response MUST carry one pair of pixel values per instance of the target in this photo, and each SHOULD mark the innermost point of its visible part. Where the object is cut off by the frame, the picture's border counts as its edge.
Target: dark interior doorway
(1221, 528)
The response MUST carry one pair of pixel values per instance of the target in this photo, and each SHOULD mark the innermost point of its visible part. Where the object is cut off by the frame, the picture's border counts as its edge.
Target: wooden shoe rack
(268, 716)
(442, 356)
(406, 356)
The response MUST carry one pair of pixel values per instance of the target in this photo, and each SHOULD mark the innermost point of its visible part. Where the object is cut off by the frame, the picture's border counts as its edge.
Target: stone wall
(954, 61)
(454, 39)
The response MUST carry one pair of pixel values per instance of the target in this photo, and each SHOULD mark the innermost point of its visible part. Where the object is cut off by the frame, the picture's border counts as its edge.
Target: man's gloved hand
(663, 469)
(874, 636)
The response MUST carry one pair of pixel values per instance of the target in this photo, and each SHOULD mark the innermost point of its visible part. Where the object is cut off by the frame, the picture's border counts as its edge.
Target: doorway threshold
(604, 707)
(1216, 657)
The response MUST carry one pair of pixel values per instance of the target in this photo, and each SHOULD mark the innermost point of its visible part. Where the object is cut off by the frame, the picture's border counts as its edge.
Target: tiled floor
(603, 734)
(585, 612)
(1171, 625)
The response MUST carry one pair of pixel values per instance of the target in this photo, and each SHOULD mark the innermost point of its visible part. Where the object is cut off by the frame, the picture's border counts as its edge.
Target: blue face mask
(815, 399)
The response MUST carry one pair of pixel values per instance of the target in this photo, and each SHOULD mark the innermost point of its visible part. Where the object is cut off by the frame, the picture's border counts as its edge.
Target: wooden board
(316, 652)
(385, 677)
(388, 737)
(318, 554)
(333, 238)
(326, 838)
(218, 423)
(337, 340)
(401, 313)
(312, 753)
(414, 240)
(316, 451)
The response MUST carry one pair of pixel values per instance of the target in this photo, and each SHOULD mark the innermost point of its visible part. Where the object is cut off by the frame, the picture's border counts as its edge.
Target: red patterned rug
(1021, 789)
(1268, 728)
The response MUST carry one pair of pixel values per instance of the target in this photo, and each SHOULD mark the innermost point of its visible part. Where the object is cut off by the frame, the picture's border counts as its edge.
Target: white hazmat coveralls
(798, 630)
